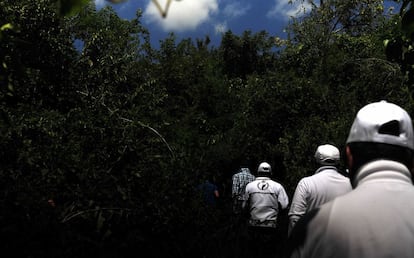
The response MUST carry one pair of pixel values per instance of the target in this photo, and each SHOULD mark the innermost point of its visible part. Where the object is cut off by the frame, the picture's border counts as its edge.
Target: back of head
(327, 155)
(264, 169)
(381, 130)
(245, 163)
(382, 122)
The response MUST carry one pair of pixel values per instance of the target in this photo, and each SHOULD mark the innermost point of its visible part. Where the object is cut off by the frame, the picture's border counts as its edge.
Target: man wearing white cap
(265, 198)
(324, 185)
(376, 218)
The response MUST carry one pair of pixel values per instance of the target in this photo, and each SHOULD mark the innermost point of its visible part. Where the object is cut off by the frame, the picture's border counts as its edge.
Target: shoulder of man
(274, 182)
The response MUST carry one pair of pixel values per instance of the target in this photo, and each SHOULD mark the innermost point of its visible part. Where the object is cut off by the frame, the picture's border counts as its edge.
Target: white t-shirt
(325, 185)
(373, 220)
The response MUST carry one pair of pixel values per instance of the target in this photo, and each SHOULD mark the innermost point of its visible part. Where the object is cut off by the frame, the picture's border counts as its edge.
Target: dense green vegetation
(103, 145)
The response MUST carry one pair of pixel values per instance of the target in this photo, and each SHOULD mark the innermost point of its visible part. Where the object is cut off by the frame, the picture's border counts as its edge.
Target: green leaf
(7, 26)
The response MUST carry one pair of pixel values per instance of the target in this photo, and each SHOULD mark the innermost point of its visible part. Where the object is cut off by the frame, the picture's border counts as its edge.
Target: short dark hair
(364, 152)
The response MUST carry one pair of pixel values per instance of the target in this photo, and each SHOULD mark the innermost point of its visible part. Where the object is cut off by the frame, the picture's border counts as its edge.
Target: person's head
(245, 163)
(381, 130)
(327, 155)
(264, 169)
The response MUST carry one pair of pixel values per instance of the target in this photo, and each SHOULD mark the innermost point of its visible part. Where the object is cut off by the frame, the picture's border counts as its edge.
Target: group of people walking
(365, 212)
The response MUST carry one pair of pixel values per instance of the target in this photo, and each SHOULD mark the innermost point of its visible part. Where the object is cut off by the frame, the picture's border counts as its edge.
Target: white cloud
(236, 9)
(285, 10)
(100, 3)
(182, 15)
(220, 28)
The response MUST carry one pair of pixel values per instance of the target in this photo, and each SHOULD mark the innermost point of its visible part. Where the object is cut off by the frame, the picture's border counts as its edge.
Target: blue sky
(198, 18)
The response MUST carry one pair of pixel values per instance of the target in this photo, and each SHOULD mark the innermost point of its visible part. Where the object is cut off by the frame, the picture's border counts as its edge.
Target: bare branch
(79, 213)
(154, 131)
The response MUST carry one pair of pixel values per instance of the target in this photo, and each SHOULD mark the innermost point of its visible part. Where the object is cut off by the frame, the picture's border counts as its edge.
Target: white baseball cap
(382, 122)
(327, 154)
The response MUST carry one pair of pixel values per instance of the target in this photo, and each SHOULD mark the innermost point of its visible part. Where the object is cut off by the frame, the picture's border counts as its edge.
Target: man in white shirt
(264, 199)
(376, 218)
(324, 185)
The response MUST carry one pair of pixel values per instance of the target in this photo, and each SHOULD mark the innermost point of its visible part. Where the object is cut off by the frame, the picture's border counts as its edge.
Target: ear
(349, 158)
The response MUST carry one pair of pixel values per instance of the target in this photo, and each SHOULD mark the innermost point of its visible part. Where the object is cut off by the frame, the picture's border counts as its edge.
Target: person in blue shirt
(210, 192)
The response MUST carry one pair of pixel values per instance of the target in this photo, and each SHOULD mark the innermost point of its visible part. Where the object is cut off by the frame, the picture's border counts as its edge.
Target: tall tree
(399, 45)
(324, 48)
(247, 54)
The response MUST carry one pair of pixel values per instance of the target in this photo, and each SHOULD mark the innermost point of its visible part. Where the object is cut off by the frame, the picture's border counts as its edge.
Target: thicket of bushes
(101, 147)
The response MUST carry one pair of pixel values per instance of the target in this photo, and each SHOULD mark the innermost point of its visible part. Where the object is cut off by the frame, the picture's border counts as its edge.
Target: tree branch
(79, 213)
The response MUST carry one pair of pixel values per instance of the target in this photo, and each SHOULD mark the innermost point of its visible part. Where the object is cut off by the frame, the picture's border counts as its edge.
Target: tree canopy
(105, 138)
